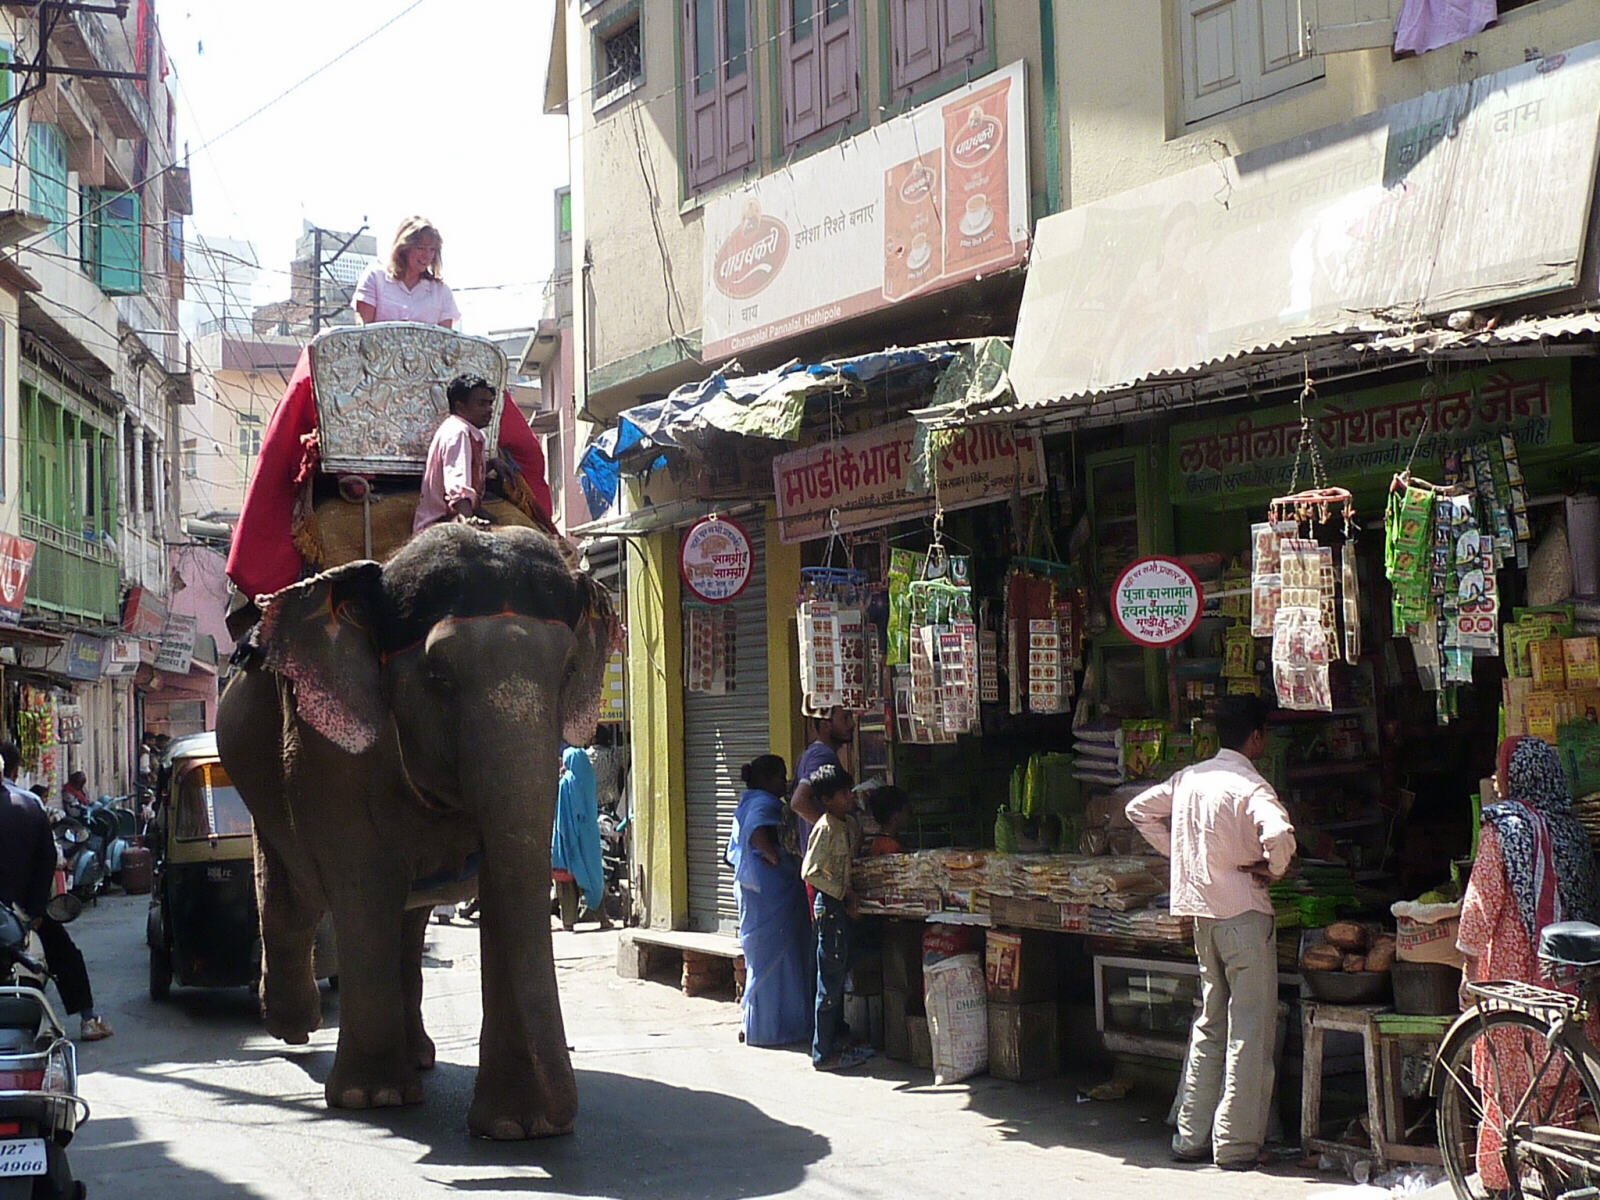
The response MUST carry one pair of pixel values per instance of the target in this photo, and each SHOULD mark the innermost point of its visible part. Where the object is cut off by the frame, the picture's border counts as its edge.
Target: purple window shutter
(738, 122)
(802, 79)
(702, 110)
(840, 91)
(964, 33)
(915, 30)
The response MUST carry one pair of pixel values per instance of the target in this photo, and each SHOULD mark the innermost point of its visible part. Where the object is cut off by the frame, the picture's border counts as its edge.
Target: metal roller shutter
(721, 734)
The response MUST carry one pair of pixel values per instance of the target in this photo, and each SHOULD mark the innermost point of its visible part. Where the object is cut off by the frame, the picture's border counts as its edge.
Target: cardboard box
(1024, 1041)
(1020, 968)
(921, 1043)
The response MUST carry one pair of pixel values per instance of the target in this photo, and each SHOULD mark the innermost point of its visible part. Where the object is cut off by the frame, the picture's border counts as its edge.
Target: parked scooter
(86, 872)
(40, 1108)
(614, 861)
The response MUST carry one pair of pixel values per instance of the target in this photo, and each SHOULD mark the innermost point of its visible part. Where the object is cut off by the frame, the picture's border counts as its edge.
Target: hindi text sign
(1157, 601)
(868, 477)
(716, 560)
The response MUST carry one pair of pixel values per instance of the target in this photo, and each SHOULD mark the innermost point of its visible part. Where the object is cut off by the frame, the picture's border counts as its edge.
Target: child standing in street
(834, 841)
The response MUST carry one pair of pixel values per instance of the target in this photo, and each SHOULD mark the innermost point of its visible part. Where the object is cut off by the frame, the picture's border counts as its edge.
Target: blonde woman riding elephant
(394, 741)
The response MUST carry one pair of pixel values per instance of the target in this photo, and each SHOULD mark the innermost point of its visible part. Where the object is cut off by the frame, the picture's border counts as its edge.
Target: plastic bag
(956, 997)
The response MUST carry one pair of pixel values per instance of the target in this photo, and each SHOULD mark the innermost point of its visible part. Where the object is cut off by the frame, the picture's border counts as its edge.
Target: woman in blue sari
(774, 922)
(575, 835)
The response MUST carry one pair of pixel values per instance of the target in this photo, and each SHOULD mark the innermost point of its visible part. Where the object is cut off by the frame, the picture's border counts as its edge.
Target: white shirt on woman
(429, 303)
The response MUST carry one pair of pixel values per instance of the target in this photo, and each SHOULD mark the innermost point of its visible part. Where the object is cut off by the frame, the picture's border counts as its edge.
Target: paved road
(191, 1100)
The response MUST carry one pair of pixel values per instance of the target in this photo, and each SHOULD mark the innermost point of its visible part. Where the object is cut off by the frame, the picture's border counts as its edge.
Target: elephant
(396, 737)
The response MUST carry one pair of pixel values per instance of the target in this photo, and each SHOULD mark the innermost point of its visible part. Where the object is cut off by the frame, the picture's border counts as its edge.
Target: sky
(440, 114)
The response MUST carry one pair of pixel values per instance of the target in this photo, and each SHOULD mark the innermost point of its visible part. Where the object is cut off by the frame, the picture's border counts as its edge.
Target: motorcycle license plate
(22, 1156)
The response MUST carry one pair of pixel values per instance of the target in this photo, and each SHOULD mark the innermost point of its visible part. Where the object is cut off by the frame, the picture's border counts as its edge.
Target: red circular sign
(1157, 601)
(716, 560)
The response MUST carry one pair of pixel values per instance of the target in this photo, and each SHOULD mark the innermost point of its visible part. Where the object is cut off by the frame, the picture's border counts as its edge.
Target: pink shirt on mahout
(456, 470)
(1211, 819)
(430, 302)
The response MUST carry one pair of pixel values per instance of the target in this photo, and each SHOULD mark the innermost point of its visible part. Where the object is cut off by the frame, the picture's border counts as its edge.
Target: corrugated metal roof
(1523, 330)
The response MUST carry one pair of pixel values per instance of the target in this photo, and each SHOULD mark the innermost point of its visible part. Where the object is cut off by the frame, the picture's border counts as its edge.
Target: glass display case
(1145, 1005)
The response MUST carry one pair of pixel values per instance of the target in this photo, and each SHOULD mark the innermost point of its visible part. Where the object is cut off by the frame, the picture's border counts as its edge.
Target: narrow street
(190, 1099)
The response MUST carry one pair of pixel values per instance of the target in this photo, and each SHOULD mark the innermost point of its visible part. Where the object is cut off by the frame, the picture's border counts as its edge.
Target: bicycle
(1517, 1069)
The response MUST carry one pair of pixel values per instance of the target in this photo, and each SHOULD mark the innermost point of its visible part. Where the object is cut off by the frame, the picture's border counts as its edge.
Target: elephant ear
(597, 634)
(318, 633)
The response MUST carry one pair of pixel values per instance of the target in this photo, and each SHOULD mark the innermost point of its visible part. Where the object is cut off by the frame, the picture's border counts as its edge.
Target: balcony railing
(72, 575)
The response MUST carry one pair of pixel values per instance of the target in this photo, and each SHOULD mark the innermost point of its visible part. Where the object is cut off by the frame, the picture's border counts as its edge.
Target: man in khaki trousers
(1227, 835)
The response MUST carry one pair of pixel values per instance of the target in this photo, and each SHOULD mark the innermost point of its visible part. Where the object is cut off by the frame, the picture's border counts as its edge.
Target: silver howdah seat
(1576, 943)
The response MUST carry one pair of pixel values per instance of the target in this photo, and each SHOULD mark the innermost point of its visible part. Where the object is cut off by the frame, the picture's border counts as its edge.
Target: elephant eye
(437, 681)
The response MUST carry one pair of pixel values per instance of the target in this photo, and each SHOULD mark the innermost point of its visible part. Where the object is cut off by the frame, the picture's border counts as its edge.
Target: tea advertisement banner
(928, 200)
(867, 477)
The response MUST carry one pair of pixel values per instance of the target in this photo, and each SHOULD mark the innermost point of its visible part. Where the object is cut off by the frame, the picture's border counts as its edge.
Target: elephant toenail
(507, 1130)
(353, 1098)
(386, 1098)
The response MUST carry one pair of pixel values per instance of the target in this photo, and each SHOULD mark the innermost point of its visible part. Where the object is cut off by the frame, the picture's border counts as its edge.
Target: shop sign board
(1156, 601)
(123, 658)
(715, 559)
(144, 614)
(613, 692)
(16, 563)
(934, 198)
(1370, 435)
(177, 644)
(873, 478)
(84, 656)
(1465, 197)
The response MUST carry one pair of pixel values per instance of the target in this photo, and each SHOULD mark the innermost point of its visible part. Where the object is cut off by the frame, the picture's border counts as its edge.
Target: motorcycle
(85, 870)
(40, 1109)
(614, 861)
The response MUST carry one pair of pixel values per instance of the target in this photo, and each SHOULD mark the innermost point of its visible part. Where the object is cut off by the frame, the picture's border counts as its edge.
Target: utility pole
(318, 267)
(316, 280)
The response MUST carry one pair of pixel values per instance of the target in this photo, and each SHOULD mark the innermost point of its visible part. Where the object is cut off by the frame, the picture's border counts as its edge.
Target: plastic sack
(956, 998)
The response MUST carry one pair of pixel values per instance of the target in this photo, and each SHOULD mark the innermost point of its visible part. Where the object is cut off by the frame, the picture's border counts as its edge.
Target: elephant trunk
(516, 811)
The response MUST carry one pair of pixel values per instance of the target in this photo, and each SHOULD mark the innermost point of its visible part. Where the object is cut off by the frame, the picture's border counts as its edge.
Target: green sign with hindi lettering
(1366, 436)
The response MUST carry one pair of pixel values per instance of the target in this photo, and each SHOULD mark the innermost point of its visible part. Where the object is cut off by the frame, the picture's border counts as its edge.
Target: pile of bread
(1350, 947)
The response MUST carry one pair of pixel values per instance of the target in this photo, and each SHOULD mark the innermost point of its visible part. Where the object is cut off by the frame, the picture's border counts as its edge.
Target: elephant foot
(385, 1086)
(422, 1052)
(513, 1128)
(291, 1014)
(514, 1116)
(295, 1029)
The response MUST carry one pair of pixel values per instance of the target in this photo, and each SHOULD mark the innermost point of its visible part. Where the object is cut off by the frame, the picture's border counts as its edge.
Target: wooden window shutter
(839, 80)
(1336, 25)
(702, 112)
(738, 98)
(917, 41)
(802, 77)
(964, 34)
(1210, 39)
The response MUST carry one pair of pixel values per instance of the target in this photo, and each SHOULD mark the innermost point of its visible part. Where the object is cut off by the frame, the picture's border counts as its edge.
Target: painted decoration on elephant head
(1156, 601)
(716, 560)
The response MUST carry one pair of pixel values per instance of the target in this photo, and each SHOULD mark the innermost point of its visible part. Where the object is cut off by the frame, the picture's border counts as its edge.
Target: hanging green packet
(904, 566)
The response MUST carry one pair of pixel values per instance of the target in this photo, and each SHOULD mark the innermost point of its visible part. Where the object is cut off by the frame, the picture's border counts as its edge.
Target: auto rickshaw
(202, 927)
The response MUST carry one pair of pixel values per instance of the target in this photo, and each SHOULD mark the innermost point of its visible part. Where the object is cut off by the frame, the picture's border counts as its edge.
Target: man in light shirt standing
(1227, 835)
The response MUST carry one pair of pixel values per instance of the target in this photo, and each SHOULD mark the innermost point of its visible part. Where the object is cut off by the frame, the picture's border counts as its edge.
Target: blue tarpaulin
(769, 405)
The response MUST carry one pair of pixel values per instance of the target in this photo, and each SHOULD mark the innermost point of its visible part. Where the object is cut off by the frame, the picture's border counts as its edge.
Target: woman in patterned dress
(1535, 866)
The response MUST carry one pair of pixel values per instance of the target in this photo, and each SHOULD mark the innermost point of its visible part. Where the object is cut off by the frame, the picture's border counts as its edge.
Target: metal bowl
(1349, 987)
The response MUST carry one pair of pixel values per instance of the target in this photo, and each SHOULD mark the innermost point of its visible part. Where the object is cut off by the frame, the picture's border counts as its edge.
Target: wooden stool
(1385, 1039)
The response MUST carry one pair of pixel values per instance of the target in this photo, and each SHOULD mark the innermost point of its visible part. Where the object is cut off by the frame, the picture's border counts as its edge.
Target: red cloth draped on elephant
(263, 557)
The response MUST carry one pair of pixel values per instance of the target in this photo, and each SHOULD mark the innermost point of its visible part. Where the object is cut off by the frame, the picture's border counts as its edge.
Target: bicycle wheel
(1486, 1072)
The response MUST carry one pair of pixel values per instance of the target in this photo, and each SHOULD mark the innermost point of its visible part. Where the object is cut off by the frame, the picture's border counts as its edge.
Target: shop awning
(1514, 333)
(1470, 196)
(657, 517)
(770, 405)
